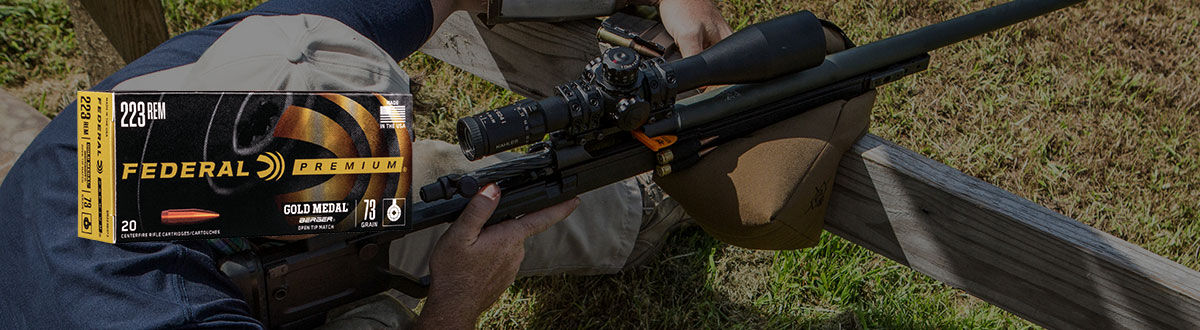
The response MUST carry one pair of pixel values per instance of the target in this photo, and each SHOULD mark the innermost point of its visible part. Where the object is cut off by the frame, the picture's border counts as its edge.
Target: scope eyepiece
(470, 137)
(507, 127)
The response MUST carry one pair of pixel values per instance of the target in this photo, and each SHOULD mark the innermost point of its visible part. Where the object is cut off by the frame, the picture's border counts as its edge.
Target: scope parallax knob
(620, 66)
(632, 113)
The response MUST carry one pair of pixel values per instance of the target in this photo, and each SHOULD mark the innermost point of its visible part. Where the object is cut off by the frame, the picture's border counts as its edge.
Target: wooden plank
(113, 33)
(100, 58)
(1009, 251)
(134, 27)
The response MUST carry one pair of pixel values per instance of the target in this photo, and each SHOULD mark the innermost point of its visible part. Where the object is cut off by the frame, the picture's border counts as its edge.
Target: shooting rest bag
(769, 190)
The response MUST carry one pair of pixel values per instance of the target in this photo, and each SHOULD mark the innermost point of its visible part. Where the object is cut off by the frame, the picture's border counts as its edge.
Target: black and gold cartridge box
(158, 166)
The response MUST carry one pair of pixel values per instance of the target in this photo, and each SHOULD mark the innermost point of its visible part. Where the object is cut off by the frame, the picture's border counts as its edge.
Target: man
(53, 279)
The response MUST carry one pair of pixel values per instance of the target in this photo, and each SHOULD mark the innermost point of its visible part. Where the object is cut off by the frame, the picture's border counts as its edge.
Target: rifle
(618, 120)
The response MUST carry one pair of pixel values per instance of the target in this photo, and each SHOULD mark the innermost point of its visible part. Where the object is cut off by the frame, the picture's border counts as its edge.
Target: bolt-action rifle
(620, 119)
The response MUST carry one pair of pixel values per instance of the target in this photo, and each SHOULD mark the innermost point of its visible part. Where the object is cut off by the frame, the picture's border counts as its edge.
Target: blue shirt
(49, 278)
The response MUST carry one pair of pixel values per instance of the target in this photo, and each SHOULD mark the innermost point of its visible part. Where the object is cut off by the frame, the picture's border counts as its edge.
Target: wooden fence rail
(1009, 251)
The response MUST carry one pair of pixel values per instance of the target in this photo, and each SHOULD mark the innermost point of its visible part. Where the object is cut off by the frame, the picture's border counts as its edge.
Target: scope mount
(619, 91)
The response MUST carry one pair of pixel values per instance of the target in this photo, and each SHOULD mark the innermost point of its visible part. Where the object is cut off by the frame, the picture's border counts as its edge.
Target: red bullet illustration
(187, 216)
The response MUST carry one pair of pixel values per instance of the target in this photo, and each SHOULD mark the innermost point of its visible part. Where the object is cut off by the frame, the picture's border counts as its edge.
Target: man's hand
(472, 265)
(695, 24)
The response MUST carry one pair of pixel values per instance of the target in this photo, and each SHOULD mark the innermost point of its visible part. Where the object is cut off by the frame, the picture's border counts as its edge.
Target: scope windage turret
(619, 89)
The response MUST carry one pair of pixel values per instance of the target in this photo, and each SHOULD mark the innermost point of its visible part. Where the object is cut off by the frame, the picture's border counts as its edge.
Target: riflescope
(620, 91)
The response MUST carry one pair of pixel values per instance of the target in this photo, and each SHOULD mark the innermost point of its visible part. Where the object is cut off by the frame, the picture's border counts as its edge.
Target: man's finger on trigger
(477, 212)
(539, 221)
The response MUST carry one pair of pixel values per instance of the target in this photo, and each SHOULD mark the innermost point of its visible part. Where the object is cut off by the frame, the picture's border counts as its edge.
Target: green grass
(700, 282)
(1091, 111)
(38, 39)
(444, 93)
(37, 46)
(186, 15)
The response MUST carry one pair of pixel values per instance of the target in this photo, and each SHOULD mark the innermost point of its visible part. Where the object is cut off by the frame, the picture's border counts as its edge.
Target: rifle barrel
(849, 63)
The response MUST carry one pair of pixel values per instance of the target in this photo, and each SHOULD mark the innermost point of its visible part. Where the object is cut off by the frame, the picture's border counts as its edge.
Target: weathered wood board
(134, 27)
(1009, 251)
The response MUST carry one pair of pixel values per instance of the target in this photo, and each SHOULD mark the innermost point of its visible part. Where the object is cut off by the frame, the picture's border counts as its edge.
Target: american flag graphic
(392, 114)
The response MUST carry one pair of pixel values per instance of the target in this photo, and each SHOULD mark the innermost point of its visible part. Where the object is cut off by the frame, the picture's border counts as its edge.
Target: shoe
(661, 215)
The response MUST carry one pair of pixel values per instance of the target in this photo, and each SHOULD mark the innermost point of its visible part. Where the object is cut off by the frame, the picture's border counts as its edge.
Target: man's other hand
(472, 265)
(695, 24)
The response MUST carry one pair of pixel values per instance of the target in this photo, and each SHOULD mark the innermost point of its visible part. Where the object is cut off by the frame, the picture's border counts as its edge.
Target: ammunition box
(157, 166)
